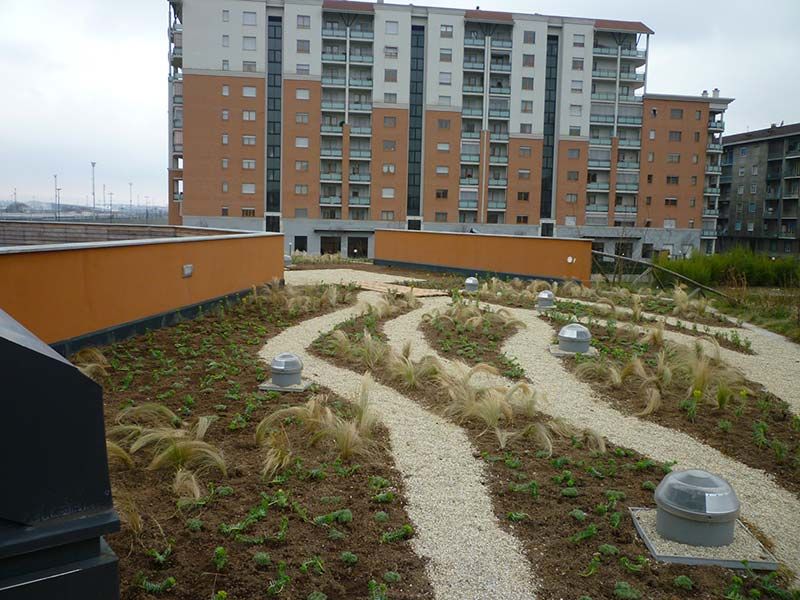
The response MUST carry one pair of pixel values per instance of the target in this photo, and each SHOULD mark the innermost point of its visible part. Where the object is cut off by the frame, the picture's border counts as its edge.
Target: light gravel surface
(470, 556)
(765, 503)
(314, 276)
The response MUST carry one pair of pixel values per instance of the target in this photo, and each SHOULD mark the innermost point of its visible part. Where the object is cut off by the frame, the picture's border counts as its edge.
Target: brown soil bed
(742, 413)
(550, 527)
(210, 366)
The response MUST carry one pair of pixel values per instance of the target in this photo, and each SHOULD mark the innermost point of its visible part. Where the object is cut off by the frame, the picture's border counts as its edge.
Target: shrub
(262, 559)
(626, 591)
(391, 577)
(683, 582)
(738, 264)
(348, 558)
(220, 559)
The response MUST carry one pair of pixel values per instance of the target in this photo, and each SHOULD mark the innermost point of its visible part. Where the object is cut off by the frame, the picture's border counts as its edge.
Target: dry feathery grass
(524, 399)
(94, 371)
(158, 437)
(594, 441)
(186, 486)
(595, 369)
(409, 373)
(370, 350)
(87, 356)
(540, 434)
(351, 437)
(312, 415)
(200, 428)
(652, 397)
(279, 453)
(340, 344)
(634, 370)
(489, 407)
(150, 413)
(655, 336)
(503, 437)
(192, 454)
(129, 514)
(460, 391)
(118, 455)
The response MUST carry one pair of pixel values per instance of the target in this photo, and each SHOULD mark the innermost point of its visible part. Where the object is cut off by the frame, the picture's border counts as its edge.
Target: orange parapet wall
(551, 258)
(62, 292)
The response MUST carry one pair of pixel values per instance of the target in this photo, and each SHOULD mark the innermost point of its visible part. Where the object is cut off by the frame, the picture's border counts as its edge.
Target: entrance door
(357, 247)
(330, 244)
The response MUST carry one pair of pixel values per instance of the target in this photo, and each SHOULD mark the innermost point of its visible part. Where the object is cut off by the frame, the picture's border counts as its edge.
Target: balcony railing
(791, 173)
(473, 65)
(711, 191)
(364, 130)
(470, 135)
(499, 182)
(473, 89)
(604, 74)
(330, 176)
(500, 67)
(600, 141)
(604, 96)
(330, 152)
(601, 118)
(498, 136)
(332, 105)
(625, 120)
(475, 42)
(334, 32)
(716, 125)
(468, 181)
(499, 113)
(627, 164)
(331, 128)
(597, 208)
(358, 200)
(356, 153)
(500, 91)
(361, 106)
(713, 169)
(600, 186)
(708, 233)
(625, 208)
(710, 212)
(468, 204)
(470, 158)
(362, 83)
(471, 112)
(362, 58)
(501, 43)
(337, 81)
(358, 177)
(627, 187)
(599, 164)
(334, 57)
(630, 76)
(498, 160)
(362, 34)
(331, 200)
(630, 142)
(714, 148)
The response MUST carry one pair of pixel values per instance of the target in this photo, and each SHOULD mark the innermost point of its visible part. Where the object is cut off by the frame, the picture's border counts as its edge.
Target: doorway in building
(357, 247)
(330, 244)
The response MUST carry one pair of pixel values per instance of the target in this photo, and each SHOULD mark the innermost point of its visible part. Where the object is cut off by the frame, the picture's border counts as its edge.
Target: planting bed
(209, 367)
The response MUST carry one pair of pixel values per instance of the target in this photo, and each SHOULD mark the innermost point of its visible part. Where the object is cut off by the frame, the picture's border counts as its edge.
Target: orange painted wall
(544, 257)
(62, 294)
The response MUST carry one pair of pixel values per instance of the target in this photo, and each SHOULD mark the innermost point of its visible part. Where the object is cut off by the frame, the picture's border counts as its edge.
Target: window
(224, 163)
(226, 16)
(387, 215)
(440, 217)
(743, 151)
(524, 173)
(753, 188)
(249, 91)
(574, 131)
(390, 75)
(529, 37)
(740, 190)
(523, 196)
(443, 123)
(248, 140)
(387, 193)
(226, 41)
(577, 64)
(442, 170)
(445, 55)
(389, 145)
(224, 187)
(527, 83)
(224, 139)
(444, 100)
(301, 189)
(676, 113)
(301, 165)
(248, 164)
(570, 221)
(248, 212)
(651, 156)
(441, 194)
(649, 178)
(303, 69)
(390, 122)
(674, 136)
(388, 168)
(522, 219)
(573, 153)
(301, 142)
(527, 106)
(301, 117)
(226, 114)
(669, 223)
(692, 202)
(571, 198)
(576, 86)
(392, 27)
(226, 90)
(524, 151)
(248, 188)
(652, 134)
(248, 42)
(528, 60)
(303, 46)
(750, 226)
(698, 114)
(302, 94)
(673, 157)
(648, 201)
(694, 180)
(572, 176)
(672, 179)
(224, 211)
(670, 202)
(443, 147)
(304, 21)
(446, 31)
(248, 115)
(390, 98)
(696, 136)
(526, 127)
(249, 18)
(754, 170)
(695, 159)
(575, 110)
(445, 78)
(249, 66)
(578, 40)
(390, 51)
(300, 213)
(226, 65)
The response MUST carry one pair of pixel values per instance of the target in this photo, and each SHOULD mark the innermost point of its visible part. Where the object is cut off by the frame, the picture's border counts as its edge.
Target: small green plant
(335, 534)
(160, 558)
(569, 492)
(314, 565)
(724, 425)
(593, 567)
(683, 582)
(378, 483)
(383, 497)
(531, 487)
(633, 566)
(578, 515)
(156, 587)
(381, 516)
(348, 558)
(194, 525)
(276, 586)
(649, 486)
(262, 559)
(391, 577)
(760, 434)
(343, 515)
(626, 591)
(780, 449)
(403, 533)
(516, 517)
(584, 534)
(608, 550)
(615, 518)
(377, 591)
(220, 559)
(316, 596)
(221, 595)
(690, 406)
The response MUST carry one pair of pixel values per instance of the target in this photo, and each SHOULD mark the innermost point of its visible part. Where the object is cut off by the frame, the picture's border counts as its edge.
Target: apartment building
(327, 119)
(760, 190)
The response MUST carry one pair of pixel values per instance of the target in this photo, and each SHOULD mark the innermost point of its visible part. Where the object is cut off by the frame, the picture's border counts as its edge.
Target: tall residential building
(761, 190)
(327, 119)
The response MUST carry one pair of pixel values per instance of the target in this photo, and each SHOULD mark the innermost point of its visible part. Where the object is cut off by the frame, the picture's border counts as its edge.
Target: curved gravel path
(314, 276)
(765, 503)
(470, 556)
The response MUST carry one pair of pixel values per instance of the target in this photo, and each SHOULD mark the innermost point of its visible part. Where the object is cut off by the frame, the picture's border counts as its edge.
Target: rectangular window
(226, 41)
(694, 179)
(524, 151)
(389, 98)
(577, 64)
(304, 21)
(651, 156)
(248, 42)
(224, 163)
(445, 78)
(443, 123)
(300, 189)
(696, 136)
(443, 147)
(302, 94)
(390, 122)
(576, 86)
(226, 90)
(248, 164)
(226, 65)
(522, 219)
(226, 114)
(301, 117)
(303, 46)
(573, 153)
(698, 114)
(695, 159)
(224, 187)
(224, 211)
(248, 188)
(249, 91)
(649, 178)
(571, 198)
(388, 167)
(753, 188)
(446, 31)
(442, 170)
(440, 217)
(578, 40)
(670, 202)
(445, 55)
(523, 173)
(444, 100)
(390, 75)
(390, 51)
(301, 142)
(754, 170)
(676, 113)
(652, 134)
(528, 60)
(248, 212)
(527, 83)
(674, 136)
(387, 193)
(572, 176)
(673, 157)
(392, 27)
(575, 110)
(249, 66)
(248, 115)
(529, 37)
(740, 190)
(523, 196)
(303, 69)
(672, 179)
(743, 151)
(526, 127)
(387, 215)
(441, 194)
(527, 106)
(224, 139)
(248, 140)
(575, 131)
(301, 165)
(389, 145)
(300, 213)
(226, 16)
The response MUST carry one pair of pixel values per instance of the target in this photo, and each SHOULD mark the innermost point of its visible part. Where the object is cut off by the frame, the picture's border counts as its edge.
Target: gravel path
(470, 556)
(766, 504)
(314, 276)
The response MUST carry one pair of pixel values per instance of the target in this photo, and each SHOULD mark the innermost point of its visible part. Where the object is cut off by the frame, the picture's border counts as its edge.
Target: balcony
(474, 42)
(627, 187)
(360, 154)
(360, 83)
(710, 212)
(334, 32)
(333, 129)
(330, 152)
(468, 204)
(633, 53)
(791, 173)
(332, 105)
(363, 130)
(501, 43)
(470, 158)
(358, 177)
(470, 135)
(471, 112)
(473, 89)
(366, 59)
(500, 67)
(499, 91)
(604, 51)
(604, 96)
(793, 152)
(625, 120)
(773, 175)
(177, 196)
(338, 57)
(627, 164)
(714, 148)
(599, 164)
(713, 169)
(362, 34)
(331, 200)
(597, 186)
(473, 65)
(716, 125)
(601, 118)
(468, 181)
(600, 141)
(711, 191)
(725, 178)
(499, 182)
(708, 233)
(788, 233)
(361, 106)
(604, 74)
(625, 208)
(597, 208)
(358, 200)
(334, 176)
(631, 76)
(499, 113)
(333, 81)
(498, 136)
(177, 99)
(498, 160)
(633, 99)
(630, 142)
(791, 194)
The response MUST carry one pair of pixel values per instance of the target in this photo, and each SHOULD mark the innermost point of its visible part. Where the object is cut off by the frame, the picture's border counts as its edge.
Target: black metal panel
(415, 109)
(550, 99)
(274, 111)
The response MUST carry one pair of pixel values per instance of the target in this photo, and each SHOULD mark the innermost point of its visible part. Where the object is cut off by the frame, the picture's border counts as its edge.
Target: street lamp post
(110, 206)
(55, 196)
(94, 202)
(130, 195)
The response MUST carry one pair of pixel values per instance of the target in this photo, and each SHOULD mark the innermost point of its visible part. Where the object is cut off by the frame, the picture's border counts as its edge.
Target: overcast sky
(86, 80)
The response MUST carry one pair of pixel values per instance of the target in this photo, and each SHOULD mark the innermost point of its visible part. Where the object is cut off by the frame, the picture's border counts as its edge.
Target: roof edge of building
(763, 134)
